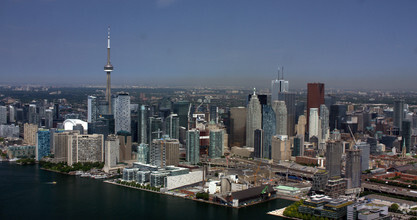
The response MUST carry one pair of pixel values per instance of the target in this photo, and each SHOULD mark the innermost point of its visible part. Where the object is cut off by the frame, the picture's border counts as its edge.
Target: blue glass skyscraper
(43, 144)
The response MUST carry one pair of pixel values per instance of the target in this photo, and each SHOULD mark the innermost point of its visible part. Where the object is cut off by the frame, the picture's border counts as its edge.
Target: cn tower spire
(108, 68)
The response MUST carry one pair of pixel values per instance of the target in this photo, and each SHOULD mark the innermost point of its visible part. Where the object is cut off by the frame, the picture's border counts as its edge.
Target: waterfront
(28, 192)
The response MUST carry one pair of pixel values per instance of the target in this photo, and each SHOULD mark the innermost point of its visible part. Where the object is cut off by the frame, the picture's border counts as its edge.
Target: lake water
(27, 192)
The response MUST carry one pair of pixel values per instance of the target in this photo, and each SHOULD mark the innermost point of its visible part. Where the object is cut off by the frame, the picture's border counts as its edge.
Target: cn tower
(108, 68)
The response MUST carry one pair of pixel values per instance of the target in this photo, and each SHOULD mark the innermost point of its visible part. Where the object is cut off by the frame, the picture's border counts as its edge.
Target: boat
(85, 175)
(99, 176)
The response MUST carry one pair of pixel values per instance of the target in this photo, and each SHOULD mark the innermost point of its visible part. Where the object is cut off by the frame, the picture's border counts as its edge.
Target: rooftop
(389, 199)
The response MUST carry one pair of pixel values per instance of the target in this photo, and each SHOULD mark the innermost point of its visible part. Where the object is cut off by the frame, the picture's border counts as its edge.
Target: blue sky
(345, 44)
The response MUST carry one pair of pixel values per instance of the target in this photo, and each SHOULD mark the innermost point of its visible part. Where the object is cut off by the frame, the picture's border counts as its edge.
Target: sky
(344, 44)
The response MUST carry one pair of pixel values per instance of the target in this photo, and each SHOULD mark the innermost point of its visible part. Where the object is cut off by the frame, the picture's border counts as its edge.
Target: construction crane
(256, 172)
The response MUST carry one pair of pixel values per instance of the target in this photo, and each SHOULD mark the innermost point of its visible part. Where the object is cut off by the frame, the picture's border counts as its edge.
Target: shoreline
(280, 213)
(178, 196)
(200, 200)
(56, 171)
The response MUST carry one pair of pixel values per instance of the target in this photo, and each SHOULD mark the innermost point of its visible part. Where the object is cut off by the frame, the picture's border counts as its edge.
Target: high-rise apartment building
(29, 133)
(334, 151)
(85, 148)
(122, 113)
(125, 148)
(193, 146)
(143, 153)
(143, 116)
(172, 126)
(214, 113)
(43, 143)
(164, 152)
(112, 155)
(92, 108)
(32, 114)
(3, 115)
(324, 124)
(49, 118)
(365, 154)
(12, 114)
(155, 128)
(216, 143)
(353, 168)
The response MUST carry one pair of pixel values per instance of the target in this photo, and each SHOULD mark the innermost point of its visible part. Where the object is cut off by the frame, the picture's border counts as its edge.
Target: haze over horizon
(360, 44)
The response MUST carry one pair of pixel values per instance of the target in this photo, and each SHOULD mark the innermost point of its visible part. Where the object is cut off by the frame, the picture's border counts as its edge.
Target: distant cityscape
(338, 154)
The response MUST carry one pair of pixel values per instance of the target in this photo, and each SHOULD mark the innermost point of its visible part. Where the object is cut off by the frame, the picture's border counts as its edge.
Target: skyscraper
(280, 110)
(111, 152)
(143, 124)
(337, 115)
(49, 118)
(258, 143)
(108, 68)
(315, 97)
(298, 149)
(143, 153)
(281, 148)
(193, 146)
(324, 120)
(154, 129)
(164, 152)
(172, 128)
(182, 109)
(279, 85)
(122, 113)
(216, 143)
(238, 126)
(92, 109)
(365, 153)
(29, 134)
(313, 125)
(85, 148)
(398, 113)
(353, 168)
(43, 144)
(3, 115)
(12, 114)
(301, 125)
(214, 111)
(269, 130)
(334, 151)
(32, 115)
(406, 134)
(289, 99)
(253, 118)
(125, 147)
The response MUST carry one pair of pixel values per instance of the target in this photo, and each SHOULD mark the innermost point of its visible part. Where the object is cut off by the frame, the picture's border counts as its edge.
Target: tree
(394, 207)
